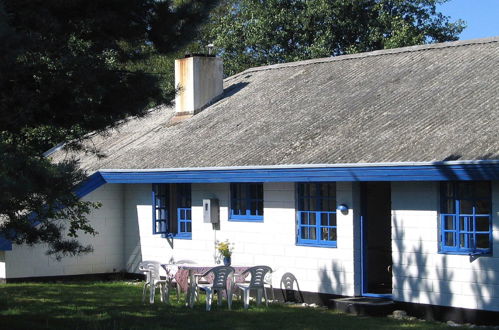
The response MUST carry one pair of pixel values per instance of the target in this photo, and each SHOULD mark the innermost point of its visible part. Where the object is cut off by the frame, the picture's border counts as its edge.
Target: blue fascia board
(5, 244)
(90, 184)
(434, 172)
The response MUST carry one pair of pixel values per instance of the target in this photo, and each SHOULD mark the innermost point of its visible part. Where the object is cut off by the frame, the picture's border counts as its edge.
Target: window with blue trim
(172, 215)
(465, 217)
(246, 201)
(316, 214)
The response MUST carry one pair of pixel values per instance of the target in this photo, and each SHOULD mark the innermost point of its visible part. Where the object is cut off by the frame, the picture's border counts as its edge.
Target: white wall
(420, 273)
(2, 266)
(26, 261)
(271, 242)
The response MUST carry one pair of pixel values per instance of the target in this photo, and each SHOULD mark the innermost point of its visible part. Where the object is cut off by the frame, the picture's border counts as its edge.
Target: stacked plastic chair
(153, 281)
(222, 281)
(258, 281)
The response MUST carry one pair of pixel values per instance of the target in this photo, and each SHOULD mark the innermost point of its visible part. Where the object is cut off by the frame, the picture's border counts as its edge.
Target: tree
(250, 33)
(68, 68)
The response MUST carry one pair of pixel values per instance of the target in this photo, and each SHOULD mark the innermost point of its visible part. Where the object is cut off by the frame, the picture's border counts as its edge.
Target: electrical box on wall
(211, 210)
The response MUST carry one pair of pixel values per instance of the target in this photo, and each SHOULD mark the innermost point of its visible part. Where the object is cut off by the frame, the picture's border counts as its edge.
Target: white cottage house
(373, 174)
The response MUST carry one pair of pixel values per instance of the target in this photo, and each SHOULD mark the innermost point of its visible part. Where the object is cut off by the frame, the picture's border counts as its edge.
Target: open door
(376, 239)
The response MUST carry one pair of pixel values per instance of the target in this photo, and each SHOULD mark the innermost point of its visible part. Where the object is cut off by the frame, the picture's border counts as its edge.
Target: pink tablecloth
(182, 274)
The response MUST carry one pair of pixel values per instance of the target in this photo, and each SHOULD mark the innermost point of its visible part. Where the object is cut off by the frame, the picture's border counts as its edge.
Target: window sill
(178, 236)
(324, 245)
(468, 253)
(245, 219)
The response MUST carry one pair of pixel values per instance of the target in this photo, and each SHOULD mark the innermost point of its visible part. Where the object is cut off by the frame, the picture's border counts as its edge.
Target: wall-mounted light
(343, 208)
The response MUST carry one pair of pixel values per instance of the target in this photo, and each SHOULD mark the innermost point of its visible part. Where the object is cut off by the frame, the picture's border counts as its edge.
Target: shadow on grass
(119, 306)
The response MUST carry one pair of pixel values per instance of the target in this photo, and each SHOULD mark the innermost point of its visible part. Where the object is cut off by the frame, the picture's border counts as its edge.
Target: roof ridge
(381, 52)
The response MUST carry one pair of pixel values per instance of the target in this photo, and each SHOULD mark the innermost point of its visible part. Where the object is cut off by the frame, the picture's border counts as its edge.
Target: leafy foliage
(255, 32)
(68, 68)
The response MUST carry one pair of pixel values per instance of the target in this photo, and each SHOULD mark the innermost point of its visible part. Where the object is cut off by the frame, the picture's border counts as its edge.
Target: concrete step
(364, 306)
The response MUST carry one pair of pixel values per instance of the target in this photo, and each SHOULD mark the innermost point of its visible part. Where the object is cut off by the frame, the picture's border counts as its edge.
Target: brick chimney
(200, 82)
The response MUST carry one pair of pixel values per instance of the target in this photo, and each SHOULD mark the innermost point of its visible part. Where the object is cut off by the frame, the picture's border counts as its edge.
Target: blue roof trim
(90, 184)
(432, 172)
(5, 244)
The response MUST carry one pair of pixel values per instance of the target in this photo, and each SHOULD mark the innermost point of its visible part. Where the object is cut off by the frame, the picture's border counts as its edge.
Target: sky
(481, 16)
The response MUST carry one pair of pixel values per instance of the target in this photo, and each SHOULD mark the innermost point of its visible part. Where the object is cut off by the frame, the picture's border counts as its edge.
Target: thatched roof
(415, 104)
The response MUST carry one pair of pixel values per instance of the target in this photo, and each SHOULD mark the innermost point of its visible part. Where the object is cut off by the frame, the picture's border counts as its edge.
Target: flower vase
(227, 261)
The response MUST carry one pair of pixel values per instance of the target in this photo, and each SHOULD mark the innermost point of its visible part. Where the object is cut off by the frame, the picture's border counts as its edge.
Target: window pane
(242, 206)
(332, 234)
(306, 204)
(305, 233)
(449, 206)
(482, 241)
(466, 207)
(464, 224)
(482, 189)
(465, 190)
(482, 224)
(313, 233)
(304, 218)
(482, 207)
(449, 222)
(329, 205)
(161, 227)
(332, 219)
(243, 191)
(449, 239)
(324, 219)
(324, 190)
(312, 219)
(462, 240)
(324, 234)
(313, 189)
(314, 205)
(448, 189)
(253, 191)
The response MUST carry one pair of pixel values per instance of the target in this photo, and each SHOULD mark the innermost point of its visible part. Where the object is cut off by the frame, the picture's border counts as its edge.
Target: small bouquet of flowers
(225, 249)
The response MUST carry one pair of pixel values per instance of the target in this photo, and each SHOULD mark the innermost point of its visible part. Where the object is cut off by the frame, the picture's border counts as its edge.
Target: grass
(118, 305)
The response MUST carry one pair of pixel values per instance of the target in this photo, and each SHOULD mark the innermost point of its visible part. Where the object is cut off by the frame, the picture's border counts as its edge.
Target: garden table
(184, 276)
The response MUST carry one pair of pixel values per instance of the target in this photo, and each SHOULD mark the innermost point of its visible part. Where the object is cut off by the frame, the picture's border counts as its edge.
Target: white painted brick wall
(2, 265)
(420, 273)
(26, 261)
(271, 242)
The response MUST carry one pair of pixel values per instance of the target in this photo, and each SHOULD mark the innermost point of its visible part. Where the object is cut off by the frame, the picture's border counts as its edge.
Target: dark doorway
(376, 239)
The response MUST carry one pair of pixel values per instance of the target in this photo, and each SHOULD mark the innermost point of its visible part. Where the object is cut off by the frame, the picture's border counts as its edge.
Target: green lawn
(117, 305)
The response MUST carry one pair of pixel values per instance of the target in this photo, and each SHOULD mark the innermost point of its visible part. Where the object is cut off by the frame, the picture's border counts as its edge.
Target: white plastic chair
(222, 281)
(257, 282)
(153, 280)
(267, 283)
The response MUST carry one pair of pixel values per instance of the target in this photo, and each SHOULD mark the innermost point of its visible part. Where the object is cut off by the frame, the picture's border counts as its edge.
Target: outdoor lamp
(343, 208)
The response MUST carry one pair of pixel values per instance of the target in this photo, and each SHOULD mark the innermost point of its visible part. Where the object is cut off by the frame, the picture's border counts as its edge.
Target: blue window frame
(316, 214)
(172, 215)
(246, 202)
(465, 217)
